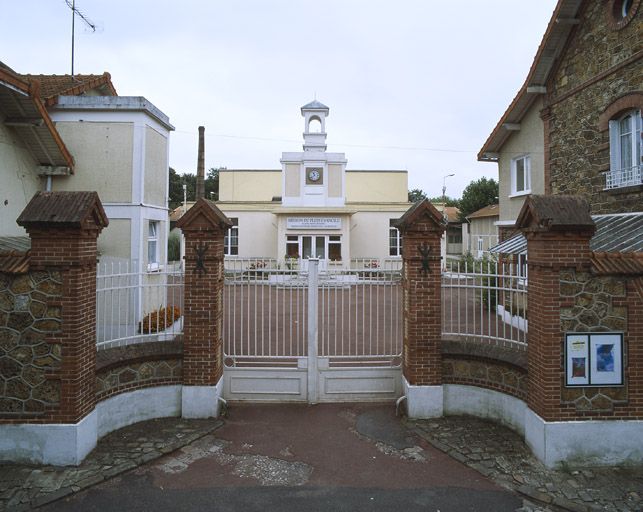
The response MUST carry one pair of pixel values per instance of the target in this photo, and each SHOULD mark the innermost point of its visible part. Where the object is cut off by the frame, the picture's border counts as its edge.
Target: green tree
(416, 195)
(478, 194)
(212, 183)
(176, 189)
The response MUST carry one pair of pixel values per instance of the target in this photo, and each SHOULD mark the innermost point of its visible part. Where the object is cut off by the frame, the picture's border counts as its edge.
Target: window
(152, 245)
(335, 248)
(231, 239)
(521, 175)
(625, 151)
(394, 240)
(292, 246)
(480, 247)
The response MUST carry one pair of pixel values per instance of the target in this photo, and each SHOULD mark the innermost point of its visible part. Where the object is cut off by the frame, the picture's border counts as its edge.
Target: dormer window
(625, 151)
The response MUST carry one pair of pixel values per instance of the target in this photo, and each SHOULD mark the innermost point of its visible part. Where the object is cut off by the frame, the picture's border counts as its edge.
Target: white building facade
(314, 207)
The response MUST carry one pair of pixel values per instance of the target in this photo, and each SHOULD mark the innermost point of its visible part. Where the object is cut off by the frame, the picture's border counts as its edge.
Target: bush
(485, 270)
(174, 246)
(158, 321)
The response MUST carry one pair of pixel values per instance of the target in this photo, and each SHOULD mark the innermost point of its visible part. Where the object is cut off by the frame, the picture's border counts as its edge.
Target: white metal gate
(295, 335)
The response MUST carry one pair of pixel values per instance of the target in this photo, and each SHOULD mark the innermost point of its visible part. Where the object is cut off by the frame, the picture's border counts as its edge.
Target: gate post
(313, 378)
(204, 227)
(422, 227)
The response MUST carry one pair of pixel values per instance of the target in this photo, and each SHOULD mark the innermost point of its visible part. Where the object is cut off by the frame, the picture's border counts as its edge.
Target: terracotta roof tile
(488, 211)
(52, 86)
(630, 263)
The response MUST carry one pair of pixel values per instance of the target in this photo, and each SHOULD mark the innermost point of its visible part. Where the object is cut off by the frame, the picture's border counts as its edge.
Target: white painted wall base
(139, 405)
(423, 401)
(201, 401)
(485, 403)
(584, 443)
(61, 445)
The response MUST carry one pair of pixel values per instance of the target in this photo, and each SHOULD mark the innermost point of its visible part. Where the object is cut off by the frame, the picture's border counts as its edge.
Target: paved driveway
(330, 457)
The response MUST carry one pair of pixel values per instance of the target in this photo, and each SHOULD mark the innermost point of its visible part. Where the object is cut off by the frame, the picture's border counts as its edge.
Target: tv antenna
(75, 12)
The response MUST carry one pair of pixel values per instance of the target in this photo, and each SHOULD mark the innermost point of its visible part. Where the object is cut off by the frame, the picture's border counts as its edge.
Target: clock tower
(314, 177)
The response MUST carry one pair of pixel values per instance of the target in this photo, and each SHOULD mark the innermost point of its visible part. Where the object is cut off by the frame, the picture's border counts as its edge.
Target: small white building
(314, 206)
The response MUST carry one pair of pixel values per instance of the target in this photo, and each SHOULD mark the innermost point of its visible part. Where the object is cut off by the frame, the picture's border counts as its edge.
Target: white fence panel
(486, 301)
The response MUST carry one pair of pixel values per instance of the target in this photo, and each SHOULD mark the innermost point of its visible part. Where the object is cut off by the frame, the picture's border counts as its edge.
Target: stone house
(66, 133)
(575, 125)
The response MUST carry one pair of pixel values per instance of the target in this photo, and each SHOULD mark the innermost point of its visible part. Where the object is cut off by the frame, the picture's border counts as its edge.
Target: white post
(313, 267)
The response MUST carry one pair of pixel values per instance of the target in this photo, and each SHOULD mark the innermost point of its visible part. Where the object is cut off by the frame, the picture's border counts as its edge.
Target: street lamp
(444, 192)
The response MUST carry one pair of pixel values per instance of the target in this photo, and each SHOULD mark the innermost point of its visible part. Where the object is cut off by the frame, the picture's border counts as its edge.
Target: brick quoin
(422, 227)
(204, 227)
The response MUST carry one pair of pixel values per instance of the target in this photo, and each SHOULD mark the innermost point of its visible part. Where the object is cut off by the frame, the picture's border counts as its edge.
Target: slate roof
(65, 209)
(315, 105)
(615, 233)
(555, 213)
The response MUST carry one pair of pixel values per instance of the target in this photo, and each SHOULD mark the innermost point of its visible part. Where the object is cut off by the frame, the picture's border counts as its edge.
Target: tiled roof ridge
(52, 86)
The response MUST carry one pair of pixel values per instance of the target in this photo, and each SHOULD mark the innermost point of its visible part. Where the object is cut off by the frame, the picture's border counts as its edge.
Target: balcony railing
(626, 177)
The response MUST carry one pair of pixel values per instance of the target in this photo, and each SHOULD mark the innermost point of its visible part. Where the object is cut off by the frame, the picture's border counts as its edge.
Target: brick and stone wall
(600, 65)
(30, 315)
(486, 366)
(601, 304)
(123, 369)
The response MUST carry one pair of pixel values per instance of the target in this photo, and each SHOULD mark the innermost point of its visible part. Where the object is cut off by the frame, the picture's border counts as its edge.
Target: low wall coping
(487, 351)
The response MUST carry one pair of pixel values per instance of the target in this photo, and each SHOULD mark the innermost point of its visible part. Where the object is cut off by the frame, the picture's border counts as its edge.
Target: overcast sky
(414, 85)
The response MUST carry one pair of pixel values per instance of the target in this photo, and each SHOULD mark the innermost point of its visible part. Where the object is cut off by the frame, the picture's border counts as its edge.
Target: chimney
(200, 166)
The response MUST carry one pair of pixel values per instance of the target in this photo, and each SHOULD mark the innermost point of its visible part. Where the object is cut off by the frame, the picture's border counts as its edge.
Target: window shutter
(615, 154)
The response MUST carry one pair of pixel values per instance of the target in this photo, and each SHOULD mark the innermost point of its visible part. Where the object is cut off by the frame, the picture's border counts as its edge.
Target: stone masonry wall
(124, 369)
(30, 314)
(485, 365)
(599, 65)
(594, 304)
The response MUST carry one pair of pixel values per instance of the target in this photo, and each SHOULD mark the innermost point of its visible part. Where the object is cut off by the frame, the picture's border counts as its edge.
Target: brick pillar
(64, 227)
(422, 227)
(558, 231)
(204, 227)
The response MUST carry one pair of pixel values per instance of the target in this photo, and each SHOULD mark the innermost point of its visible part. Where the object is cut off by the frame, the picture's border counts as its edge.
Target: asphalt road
(331, 457)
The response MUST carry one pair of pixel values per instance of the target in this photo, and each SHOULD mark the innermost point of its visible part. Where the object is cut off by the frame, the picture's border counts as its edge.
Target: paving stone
(510, 463)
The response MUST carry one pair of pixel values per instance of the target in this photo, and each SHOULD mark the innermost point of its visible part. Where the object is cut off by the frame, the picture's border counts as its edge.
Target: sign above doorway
(313, 223)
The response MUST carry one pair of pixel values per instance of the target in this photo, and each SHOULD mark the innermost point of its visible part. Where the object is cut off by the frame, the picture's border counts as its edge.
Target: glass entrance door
(313, 247)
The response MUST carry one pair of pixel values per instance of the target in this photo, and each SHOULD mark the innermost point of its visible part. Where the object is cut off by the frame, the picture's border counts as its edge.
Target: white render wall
(18, 181)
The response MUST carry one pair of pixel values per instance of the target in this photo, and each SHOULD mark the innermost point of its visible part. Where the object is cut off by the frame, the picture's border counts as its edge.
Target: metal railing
(134, 306)
(486, 301)
(626, 177)
(358, 311)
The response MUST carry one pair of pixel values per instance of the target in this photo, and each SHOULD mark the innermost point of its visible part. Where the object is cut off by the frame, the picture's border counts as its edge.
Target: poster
(606, 359)
(594, 359)
(577, 349)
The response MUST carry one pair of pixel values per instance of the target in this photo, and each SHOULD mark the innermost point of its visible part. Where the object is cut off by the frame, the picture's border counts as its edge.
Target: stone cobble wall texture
(597, 303)
(600, 64)
(485, 373)
(29, 315)
(123, 369)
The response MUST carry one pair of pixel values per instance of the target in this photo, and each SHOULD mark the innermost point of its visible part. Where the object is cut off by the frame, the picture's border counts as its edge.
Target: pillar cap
(204, 214)
(64, 210)
(555, 213)
(421, 210)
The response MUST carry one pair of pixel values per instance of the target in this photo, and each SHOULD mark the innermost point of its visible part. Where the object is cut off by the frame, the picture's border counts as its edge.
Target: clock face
(314, 175)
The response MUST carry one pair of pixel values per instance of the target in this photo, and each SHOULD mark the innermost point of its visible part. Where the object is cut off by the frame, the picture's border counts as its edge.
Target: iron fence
(134, 306)
(485, 300)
